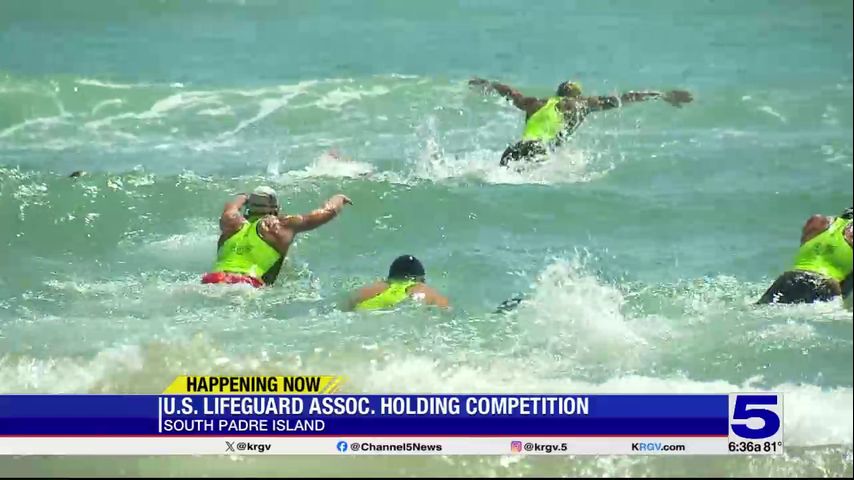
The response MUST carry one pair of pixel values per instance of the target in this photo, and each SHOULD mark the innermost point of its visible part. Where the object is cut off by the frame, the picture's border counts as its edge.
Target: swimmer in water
(405, 281)
(550, 121)
(510, 304)
(251, 248)
(822, 267)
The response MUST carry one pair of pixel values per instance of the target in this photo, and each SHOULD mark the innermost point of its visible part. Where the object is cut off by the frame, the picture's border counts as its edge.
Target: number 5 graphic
(749, 406)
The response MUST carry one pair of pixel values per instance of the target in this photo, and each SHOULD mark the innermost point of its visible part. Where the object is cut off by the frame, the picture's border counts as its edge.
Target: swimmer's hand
(677, 97)
(478, 82)
(337, 202)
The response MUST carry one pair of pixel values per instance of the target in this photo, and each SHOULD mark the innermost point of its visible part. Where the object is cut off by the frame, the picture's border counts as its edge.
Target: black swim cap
(848, 213)
(405, 267)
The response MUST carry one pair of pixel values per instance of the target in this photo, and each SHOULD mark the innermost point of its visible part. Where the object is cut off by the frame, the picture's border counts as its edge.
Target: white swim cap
(263, 200)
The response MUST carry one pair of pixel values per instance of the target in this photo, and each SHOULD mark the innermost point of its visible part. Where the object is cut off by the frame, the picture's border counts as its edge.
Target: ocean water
(640, 246)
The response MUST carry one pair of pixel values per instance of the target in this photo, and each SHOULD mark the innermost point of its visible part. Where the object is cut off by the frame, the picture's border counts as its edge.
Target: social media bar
(718, 445)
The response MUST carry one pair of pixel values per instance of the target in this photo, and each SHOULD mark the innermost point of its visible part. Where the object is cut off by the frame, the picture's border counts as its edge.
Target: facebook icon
(342, 446)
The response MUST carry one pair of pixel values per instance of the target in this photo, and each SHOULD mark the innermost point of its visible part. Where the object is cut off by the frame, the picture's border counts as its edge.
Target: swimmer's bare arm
(848, 233)
(310, 221)
(522, 102)
(431, 296)
(231, 219)
(814, 225)
(607, 102)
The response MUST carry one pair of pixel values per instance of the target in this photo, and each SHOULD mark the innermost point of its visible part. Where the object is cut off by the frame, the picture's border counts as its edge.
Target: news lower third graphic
(304, 415)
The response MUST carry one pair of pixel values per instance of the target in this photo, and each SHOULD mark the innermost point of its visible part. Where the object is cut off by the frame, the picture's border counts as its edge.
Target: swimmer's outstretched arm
(520, 101)
(607, 102)
(310, 221)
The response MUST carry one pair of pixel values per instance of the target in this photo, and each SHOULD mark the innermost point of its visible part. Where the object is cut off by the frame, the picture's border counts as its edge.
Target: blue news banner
(739, 419)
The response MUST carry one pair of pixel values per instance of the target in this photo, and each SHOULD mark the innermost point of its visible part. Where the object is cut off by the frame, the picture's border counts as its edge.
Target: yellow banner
(312, 384)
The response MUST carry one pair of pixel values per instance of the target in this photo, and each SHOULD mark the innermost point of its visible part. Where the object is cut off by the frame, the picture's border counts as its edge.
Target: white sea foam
(329, 164)
(770, 111)
(112, 85)
(33, 122)
(338, 97)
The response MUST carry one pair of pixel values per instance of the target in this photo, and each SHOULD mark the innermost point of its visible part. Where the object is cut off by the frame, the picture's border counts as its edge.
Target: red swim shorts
(225, 277)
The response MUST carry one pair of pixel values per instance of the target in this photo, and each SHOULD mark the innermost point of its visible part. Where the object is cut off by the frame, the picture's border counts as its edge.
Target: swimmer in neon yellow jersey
(822, 267)
(550, 121)
(251, 248)
(405, 281)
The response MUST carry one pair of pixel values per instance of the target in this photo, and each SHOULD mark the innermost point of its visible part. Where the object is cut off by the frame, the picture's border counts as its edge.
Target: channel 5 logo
(756, 416)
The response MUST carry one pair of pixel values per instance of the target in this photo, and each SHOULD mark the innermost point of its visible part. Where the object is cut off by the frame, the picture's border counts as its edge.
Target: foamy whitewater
(639, 248)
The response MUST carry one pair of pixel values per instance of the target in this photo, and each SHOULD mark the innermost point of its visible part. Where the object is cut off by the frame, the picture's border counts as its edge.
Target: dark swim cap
(405, 267)
(848, 213)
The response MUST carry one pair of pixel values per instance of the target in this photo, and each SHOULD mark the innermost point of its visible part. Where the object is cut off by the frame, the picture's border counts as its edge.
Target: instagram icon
(516, 446)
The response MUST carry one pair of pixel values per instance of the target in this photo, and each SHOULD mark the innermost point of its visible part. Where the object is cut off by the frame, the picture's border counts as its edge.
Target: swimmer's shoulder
(427, 294)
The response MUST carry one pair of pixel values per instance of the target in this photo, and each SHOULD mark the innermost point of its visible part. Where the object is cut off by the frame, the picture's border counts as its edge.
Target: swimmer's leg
(526, 150)
(799, 287)
(847, 285)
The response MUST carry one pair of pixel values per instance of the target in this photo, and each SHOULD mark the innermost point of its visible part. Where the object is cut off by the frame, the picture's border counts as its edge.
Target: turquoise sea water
(641, 245)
